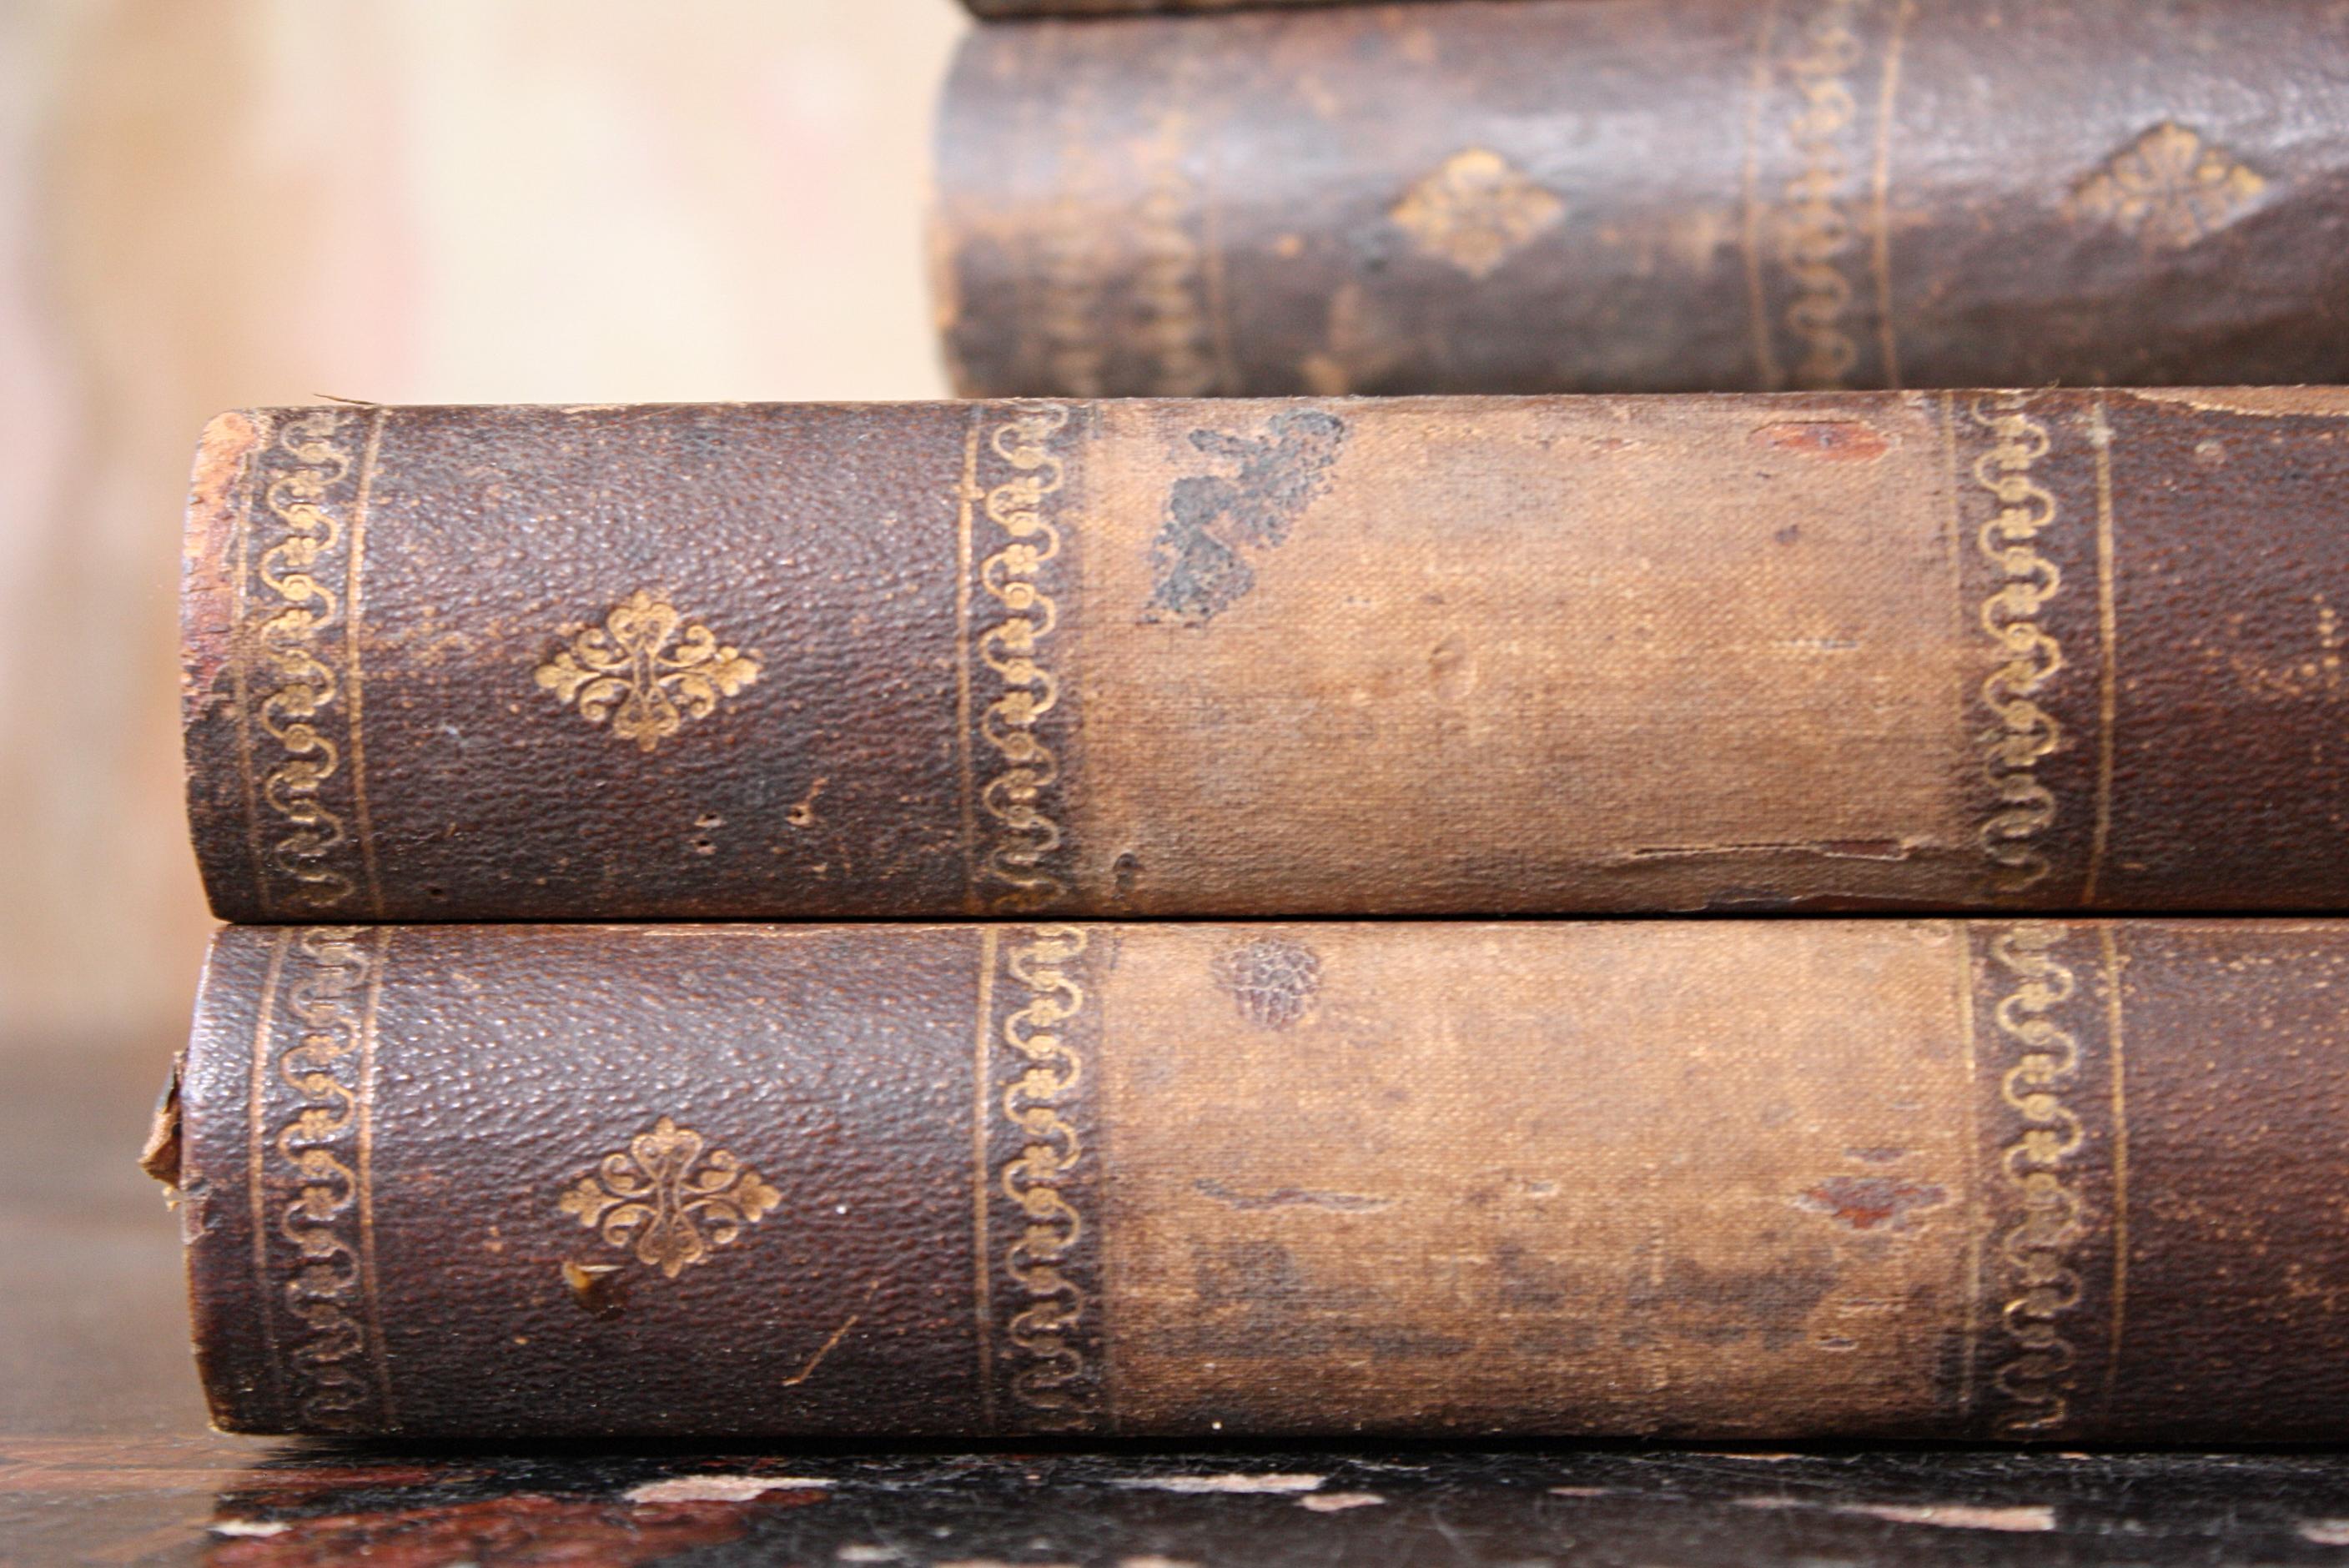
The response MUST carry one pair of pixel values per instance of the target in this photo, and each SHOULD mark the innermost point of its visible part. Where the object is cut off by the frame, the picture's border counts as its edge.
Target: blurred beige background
(212, 203)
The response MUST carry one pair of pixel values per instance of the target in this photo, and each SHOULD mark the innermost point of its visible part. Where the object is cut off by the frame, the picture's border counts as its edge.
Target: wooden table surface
(105, 1457)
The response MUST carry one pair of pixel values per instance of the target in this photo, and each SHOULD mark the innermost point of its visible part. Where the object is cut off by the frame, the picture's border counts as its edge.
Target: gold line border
(1766, 359)
(1214, 285)
(1888, 339)
(255, 1172)
(2111, 948)
(366, 1105)
(1105, 1256)
(357, 546)
(2108, 624)
(1967, 672)
(240, 645)
(1978, 1223)
(963, 557)
(982, 1098)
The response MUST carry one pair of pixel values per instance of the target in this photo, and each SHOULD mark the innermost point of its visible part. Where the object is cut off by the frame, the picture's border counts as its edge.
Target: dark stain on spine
(1272, 980)
(1292, 1198)
(1199, 561)
(1690, 1301)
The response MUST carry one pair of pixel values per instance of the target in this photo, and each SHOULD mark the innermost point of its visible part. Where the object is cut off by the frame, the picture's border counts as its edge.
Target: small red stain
(1830, 440)
(1870, 1202)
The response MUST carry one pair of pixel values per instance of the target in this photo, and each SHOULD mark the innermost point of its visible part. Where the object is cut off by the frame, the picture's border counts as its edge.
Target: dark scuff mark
(1125, 873)
(1889, 849)
(1256, 1301)
(1293, 1198)
(1198, 562)
(1529, 1281)
(1690, 1301)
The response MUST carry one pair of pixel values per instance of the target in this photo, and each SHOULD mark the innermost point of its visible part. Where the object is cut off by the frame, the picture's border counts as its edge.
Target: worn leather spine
(1855, 651)
(1648, 195)
(2049, 650)
(2021, 1180)
(995, 9)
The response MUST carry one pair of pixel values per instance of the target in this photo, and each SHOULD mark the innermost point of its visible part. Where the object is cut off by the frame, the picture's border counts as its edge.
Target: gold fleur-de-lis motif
(2169, 188)
(627, 670)
(1476, 210)
(663, 1200)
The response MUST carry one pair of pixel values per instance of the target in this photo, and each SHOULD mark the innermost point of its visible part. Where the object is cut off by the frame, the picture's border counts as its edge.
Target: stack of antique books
(1173, 801)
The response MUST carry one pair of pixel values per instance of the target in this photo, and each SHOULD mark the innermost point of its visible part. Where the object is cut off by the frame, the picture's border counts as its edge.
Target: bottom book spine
(1767, 1180)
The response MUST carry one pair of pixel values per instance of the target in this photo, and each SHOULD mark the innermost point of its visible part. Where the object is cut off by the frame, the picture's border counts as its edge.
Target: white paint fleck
(2028, 1520)
(1337, 1501)
(2325, 1531)
(866, 1553)
(1273, 1481)
(1154, 1561)
(1581, 1491)
(721, 1488)
(254, 1527)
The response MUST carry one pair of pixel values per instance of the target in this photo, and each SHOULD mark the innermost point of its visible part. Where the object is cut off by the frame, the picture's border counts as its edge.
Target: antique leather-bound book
(1768, 1179)
(1854, 651)
(1648, 195)
(998, 8)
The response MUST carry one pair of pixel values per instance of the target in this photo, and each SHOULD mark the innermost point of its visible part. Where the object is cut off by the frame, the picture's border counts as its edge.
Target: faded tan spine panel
(1574, 1181)
(1685, 195)
(1572, 694)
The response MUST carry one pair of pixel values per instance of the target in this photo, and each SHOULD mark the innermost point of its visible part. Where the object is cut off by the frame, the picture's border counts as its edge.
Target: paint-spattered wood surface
(104, 1457)
(225, 1504)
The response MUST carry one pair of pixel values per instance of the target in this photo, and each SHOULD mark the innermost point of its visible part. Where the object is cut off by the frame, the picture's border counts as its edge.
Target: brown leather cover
(1649, 195)
(1495, 655)
(1914, 1178)
(1000, 9)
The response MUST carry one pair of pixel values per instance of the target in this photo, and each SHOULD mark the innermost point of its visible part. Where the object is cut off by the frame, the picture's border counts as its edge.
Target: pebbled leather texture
(1647, 196)
(2026, 1180)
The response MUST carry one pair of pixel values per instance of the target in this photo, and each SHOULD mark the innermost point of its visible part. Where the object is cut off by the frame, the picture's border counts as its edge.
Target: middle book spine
(1203, 658)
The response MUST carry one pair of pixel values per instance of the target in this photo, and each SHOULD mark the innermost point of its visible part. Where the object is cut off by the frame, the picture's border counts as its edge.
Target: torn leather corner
(160, 1156)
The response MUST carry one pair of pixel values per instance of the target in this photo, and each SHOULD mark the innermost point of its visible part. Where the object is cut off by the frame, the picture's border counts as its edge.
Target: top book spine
(995, 10)
(1648, 196)
(2049, 650)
